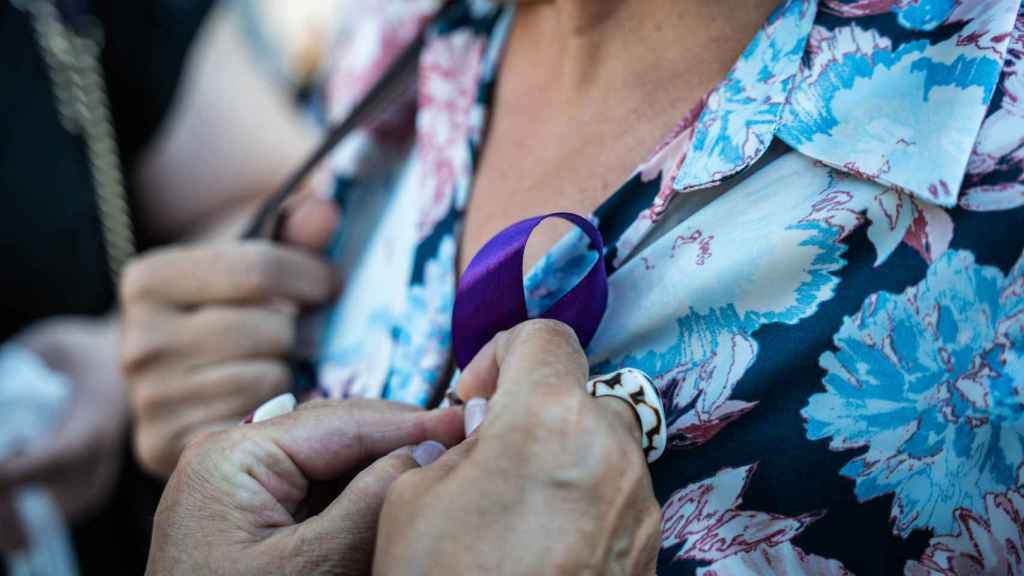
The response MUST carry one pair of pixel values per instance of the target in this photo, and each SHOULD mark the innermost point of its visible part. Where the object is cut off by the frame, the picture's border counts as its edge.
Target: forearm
(232, 136)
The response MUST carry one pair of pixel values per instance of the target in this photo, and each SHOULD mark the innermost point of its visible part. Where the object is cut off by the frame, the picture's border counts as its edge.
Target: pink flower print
(1000, 144)
(862, 7)
(991, 542)
(449, 73)
(703, 519)
(782, 560)
(700, 392)
(367, 48)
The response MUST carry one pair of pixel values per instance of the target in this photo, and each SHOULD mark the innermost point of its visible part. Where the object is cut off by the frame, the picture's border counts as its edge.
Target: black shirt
(52, 255)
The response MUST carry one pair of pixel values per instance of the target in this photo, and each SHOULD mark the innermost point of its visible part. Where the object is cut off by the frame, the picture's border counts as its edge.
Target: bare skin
(78, 461)
(553, 481)
(251, 135)
(556, 143)
(588, 89)
(207, 331)
(298, 494)
(184, 192)
(274, 497)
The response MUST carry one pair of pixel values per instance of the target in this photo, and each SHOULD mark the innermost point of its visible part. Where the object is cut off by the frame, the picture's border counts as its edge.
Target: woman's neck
(587, 91)
(606, 46)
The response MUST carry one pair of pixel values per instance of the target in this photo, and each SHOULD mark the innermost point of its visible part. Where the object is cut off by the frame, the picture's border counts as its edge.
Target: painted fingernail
(428, 452)
(475, 411)
(276, 406)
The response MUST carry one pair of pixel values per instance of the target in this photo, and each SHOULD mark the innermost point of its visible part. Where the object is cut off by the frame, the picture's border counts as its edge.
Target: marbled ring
(636, 389)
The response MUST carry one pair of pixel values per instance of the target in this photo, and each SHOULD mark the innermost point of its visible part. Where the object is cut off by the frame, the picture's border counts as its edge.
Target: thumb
(347, 529)
(329, 439)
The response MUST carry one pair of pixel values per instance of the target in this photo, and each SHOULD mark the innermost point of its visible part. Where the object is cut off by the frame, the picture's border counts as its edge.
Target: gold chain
(73, 61)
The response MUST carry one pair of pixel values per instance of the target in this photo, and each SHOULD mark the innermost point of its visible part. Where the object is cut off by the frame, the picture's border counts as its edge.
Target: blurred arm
(232, 136)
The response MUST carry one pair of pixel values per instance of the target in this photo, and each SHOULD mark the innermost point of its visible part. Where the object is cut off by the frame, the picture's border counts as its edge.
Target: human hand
(208, 330)
(553, 482)
(297, 494)
(78, 463)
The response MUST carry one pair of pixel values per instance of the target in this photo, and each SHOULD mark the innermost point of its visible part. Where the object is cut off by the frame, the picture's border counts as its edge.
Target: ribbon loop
(490, 295)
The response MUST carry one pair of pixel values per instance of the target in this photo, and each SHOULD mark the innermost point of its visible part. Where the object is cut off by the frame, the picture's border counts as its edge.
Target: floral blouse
(821, 267)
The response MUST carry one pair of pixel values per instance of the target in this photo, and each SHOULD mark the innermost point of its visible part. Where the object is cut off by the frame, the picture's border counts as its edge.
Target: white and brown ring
(638, 390)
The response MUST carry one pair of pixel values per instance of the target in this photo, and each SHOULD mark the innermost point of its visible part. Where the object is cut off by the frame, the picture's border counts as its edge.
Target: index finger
(330, 438)
(533, 357)
(239, 272)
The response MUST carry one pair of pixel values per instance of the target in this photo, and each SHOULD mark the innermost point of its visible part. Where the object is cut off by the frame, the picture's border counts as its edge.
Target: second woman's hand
(207, 329)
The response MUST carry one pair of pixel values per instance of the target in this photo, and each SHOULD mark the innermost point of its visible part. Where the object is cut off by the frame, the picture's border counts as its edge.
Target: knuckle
(134, 281)
(141, 344)
(196, 443)
(260, 269)
(556, 343)
(548, 331)
(549, 414)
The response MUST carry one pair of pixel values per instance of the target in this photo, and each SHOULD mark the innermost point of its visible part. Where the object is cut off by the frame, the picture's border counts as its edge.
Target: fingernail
(475, 410)
(428, 452)
(276, 406)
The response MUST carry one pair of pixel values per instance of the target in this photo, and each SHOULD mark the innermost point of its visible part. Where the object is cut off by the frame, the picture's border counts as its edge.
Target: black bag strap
(392, 87)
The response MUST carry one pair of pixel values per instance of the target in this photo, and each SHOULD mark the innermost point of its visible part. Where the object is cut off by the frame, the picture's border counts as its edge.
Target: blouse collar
(886, 90)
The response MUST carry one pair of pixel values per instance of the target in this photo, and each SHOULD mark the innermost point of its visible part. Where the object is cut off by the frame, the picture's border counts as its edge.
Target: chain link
(73, 61)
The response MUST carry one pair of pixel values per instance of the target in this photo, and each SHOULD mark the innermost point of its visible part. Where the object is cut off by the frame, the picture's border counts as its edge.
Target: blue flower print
(930, 382)
(423, 338)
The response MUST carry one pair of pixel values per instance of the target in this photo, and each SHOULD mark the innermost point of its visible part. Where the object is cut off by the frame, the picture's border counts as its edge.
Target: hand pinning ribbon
(490, 295)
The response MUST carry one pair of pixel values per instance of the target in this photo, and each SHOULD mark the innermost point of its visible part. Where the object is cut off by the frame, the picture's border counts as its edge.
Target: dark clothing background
(51, 243)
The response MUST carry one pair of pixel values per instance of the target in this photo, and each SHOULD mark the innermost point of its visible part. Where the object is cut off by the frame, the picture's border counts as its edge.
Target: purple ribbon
(490, 296)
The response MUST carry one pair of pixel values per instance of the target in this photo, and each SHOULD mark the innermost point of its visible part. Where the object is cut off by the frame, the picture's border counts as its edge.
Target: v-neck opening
(643, 193)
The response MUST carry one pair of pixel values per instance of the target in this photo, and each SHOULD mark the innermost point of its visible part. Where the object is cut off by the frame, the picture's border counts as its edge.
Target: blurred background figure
(126, 125)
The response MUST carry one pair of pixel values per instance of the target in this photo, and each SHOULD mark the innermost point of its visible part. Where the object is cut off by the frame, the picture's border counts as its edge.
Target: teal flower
(930, 382)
